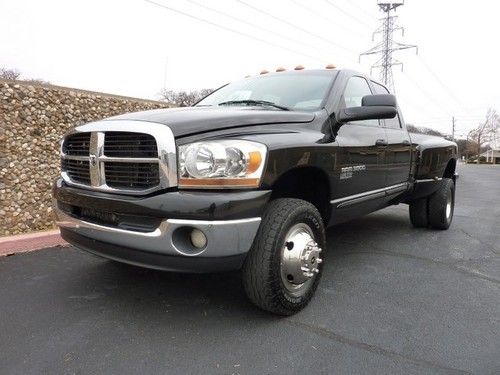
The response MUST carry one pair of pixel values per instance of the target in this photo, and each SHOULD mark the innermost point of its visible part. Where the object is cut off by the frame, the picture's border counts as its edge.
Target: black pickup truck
(249, 178)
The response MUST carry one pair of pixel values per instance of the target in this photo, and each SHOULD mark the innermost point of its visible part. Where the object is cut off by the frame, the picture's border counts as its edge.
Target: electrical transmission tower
(388, 45)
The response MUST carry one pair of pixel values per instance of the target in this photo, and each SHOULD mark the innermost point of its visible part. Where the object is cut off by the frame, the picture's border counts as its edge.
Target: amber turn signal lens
(219, 182)
(254, 161)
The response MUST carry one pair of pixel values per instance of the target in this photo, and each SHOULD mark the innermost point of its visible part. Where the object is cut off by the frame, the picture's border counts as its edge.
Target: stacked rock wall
(33, 118)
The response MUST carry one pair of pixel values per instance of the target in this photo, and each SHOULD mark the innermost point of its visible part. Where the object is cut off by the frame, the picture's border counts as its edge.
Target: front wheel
(283, 268)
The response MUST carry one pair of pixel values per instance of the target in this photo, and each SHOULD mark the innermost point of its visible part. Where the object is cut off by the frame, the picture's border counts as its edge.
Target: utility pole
(467, 149)
(453, 128)
(165, 74)
(388, 45)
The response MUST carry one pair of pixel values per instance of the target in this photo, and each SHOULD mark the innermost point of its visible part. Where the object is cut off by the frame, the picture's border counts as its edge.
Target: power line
(429, 97)
(348, 14)
(388, 45)
(443, 85)
(248, 23)
(362, 10)
(446, 118)
(295, 26)
(229, 29)
(321, 15)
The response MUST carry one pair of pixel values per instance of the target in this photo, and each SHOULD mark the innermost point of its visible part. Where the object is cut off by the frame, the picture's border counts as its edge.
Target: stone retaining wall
(33, 118)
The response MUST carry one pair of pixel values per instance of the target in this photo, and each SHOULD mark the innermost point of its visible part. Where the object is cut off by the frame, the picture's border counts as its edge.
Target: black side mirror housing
(379, 100)
(373, 107)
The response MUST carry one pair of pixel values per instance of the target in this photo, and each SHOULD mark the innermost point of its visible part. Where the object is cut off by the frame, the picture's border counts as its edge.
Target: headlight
(221, 164)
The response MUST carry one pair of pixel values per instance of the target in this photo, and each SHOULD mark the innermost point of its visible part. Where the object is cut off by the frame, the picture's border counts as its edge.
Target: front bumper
(167, 246)
(153, 260)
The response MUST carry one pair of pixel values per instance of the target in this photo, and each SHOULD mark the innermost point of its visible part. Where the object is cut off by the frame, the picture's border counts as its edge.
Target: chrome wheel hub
(300, 257)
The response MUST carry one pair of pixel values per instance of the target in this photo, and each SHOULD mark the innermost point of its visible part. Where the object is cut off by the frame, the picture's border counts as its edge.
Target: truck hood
(193, 120)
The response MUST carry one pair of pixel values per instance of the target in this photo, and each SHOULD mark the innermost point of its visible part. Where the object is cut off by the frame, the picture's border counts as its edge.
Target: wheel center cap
(310, 259)
(300, 256)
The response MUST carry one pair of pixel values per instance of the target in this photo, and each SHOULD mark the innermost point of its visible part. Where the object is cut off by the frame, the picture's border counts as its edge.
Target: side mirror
(373, 107)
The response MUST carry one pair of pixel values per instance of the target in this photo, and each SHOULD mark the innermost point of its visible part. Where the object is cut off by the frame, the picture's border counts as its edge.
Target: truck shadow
(191, 295)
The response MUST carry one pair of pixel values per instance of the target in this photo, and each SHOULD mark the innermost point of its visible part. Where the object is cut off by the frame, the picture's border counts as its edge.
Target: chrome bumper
(224, 237)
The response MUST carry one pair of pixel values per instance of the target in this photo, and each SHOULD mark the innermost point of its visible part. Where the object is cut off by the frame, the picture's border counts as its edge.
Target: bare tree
(37, 80)
(424, 130)
(204, 92)
(183, 98)
(15, 74)
(9, 73)
(466, 147)
(486, 131)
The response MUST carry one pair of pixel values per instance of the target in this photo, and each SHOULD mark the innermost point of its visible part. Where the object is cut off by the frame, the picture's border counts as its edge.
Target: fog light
(198, 239)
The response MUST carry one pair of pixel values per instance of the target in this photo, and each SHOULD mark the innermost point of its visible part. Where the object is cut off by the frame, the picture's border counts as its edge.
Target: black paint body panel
(194, 120)
(196, 205)
(295, 141)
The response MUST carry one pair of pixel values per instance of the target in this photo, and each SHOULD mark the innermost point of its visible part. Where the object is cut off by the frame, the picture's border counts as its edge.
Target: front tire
(283, 268)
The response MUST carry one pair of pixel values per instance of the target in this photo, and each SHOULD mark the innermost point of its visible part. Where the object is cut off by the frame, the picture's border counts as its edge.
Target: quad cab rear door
(398, 150)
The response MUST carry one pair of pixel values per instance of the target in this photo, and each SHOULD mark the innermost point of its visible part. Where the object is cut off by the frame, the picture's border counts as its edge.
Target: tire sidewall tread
(261, 270)
(437, 205)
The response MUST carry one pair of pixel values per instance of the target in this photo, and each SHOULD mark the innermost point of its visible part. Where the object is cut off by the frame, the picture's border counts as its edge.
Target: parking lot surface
(393, 299)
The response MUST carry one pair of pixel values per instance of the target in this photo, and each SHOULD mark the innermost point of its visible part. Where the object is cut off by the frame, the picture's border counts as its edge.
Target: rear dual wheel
(435, 211)
(283, 268)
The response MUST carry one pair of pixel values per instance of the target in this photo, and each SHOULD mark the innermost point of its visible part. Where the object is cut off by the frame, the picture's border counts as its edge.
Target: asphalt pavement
(393, 299)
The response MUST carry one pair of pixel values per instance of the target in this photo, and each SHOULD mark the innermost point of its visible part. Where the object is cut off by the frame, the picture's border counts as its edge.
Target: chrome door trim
(428, 179)
(368, 195)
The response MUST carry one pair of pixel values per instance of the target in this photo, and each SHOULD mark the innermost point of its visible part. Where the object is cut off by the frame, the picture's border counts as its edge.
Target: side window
(393, 123)
(356, 88)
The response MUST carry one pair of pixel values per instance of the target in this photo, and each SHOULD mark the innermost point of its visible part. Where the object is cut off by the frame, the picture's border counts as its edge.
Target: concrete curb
(29, 242)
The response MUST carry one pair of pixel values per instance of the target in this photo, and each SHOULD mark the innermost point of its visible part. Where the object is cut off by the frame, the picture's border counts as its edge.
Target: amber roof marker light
(299, 67)
(264, 71)
(280, 69)
(330, 66)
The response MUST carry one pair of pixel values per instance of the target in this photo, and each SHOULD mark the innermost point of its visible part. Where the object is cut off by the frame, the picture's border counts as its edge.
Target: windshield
(303, 91)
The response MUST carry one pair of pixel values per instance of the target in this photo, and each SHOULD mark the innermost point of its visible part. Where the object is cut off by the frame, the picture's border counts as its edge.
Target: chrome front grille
(117, 156)
(123, 144)
(77, 144)
(77, 170)
(131, 175)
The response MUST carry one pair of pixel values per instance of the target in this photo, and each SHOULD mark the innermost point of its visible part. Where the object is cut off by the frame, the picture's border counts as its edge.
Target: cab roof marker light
(264, 71)
(299, 67)
(330, 66)
(280, 69)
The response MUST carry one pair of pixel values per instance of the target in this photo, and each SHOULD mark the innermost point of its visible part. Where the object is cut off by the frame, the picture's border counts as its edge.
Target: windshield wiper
(255, 102)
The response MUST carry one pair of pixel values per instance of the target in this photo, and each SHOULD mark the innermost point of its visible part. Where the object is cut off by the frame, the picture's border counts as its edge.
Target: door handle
(381, 143)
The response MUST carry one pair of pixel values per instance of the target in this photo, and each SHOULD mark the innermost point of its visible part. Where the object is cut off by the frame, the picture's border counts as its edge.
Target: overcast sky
(135, 48)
